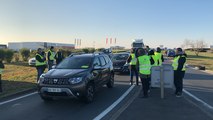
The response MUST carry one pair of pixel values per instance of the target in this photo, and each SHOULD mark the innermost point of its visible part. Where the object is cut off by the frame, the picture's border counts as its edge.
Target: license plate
(54, 89)
(116, 68)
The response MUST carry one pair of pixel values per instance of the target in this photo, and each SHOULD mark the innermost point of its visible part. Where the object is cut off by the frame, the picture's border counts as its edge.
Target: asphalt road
(34, 108)
(198, 83)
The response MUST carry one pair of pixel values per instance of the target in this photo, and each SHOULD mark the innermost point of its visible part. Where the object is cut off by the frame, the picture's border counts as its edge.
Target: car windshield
(120, 57)
(75, 63)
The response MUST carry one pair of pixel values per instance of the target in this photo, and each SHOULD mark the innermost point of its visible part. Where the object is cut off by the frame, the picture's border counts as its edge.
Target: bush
(16, 57)
(8, 55)
(25, 53)
(2, 54)
(85, 50)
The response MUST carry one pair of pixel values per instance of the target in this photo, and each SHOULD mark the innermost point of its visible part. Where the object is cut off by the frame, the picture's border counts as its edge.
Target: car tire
(110, 83)
(90, 91)
(46, 99)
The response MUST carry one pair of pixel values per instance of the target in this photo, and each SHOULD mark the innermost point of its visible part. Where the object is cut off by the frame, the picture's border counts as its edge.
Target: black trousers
(178, 81)
(145, 83)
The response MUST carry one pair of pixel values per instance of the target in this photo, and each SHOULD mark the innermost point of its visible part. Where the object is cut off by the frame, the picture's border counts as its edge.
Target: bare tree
(186, 43)
(197, 46)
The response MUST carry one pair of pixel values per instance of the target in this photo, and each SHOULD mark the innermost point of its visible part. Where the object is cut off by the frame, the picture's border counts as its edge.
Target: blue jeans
(50, 64)
(40, 71)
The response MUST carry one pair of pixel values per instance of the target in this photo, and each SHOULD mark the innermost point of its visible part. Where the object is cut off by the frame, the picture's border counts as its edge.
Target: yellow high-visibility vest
(40, 63)
(155, 60)
(52, 56)
(144, 65)
(134, 60)
(158, 58)
(175, 63)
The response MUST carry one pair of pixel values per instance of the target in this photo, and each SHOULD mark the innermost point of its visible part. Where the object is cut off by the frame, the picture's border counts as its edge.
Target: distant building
(117, 47)
(211, 46)
(3, 46)
(35, 45)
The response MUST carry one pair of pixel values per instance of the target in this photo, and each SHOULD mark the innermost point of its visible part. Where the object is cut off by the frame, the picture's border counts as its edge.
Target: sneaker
(178, 95)
(131, 83)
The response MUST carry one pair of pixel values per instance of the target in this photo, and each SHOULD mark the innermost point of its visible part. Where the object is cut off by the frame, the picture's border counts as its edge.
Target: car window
(96, 62)
(107, 59)
(75, 63)
(120, 57)
(103, 62)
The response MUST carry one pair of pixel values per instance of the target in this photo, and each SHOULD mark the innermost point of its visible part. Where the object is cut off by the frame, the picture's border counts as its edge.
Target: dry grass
(204, 58)
(17, 77)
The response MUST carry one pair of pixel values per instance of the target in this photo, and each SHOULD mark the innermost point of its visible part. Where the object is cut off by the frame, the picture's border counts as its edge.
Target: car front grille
(56, 81)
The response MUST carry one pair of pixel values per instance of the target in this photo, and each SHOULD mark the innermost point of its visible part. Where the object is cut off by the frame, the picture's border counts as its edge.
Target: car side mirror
(53, 67)
(97, 67)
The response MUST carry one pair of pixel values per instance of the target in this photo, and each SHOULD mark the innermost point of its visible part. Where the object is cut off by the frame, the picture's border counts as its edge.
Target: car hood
(64, 73)
(119, 63)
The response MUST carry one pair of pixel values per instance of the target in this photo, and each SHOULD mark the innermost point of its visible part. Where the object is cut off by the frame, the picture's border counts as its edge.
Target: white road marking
(114, 104)
(199, 100)
(5, 102)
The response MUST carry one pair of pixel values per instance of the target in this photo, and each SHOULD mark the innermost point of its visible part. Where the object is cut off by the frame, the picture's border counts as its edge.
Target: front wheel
(89, 96)
(110, 83)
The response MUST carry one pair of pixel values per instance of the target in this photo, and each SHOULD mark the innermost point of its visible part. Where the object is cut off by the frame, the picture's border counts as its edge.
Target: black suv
(77, 76)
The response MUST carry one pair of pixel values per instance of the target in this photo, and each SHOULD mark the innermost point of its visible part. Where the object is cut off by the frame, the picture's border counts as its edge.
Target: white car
(32, 62)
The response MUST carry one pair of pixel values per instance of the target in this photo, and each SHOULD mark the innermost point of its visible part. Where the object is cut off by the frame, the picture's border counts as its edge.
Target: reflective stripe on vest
(51, 55)
(144, 65)
(158, 58)
(40, 63)
(134, 60)
(175, 63)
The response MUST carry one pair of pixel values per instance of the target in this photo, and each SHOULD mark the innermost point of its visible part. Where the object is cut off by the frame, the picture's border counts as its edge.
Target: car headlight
(41, 79)
(75, 80)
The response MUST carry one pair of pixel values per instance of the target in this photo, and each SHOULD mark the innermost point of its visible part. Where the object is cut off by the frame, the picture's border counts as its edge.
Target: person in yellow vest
(144, 65)
(179, 67)
(1, 70)
(40, 63)
(133, 70)
(59, 56)
(159, 57)
(50, 57)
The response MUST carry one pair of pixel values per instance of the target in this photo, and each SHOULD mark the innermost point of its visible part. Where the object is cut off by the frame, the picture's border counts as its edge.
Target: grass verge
(204, 59)
(17, 77)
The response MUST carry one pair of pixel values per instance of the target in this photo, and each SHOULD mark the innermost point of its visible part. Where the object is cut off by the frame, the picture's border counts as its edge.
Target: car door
(105, 69)
(97, 71)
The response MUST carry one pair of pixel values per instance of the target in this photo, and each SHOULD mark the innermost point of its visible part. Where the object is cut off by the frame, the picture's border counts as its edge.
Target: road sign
(167, 76)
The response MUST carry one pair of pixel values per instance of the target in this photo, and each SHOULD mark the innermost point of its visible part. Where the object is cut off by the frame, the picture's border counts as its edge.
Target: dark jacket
(1, 64)
(181, 62)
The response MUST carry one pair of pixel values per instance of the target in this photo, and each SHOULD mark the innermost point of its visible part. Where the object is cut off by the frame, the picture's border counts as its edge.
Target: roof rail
(76, 54)
(98, 53)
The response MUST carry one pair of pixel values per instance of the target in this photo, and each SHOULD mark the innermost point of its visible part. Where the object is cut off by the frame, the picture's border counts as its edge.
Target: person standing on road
(50, 57)
(144, 65)
(1, 70)
(159, 57)
(133, 70)
(179, 67)
(59, 56)
(40, 63)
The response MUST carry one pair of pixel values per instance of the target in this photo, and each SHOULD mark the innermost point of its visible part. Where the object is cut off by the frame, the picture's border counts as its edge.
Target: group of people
(43, 60)
(141, 60)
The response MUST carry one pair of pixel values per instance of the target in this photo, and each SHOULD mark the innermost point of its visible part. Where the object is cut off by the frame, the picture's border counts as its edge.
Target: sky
(157, 22)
